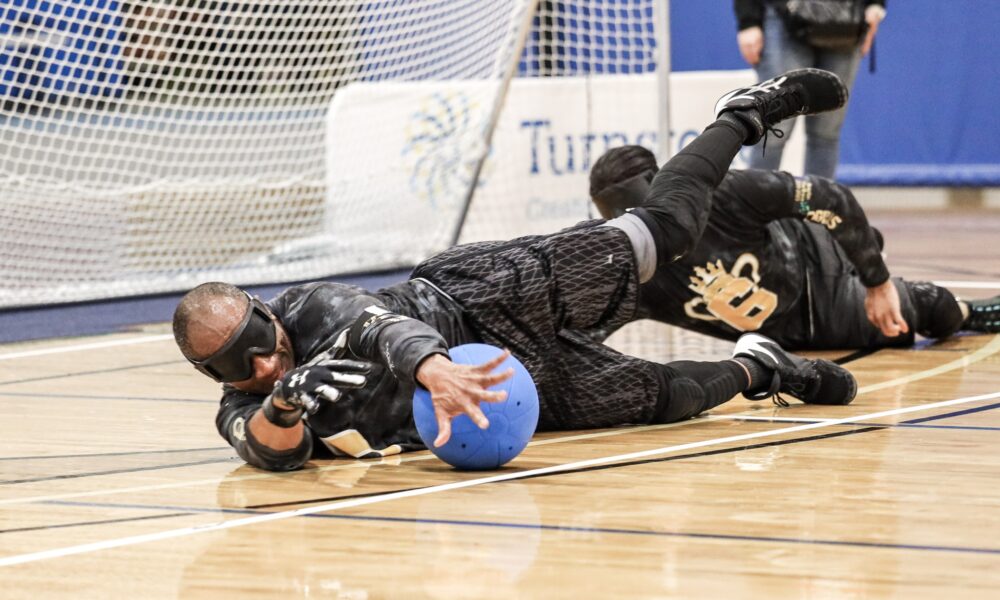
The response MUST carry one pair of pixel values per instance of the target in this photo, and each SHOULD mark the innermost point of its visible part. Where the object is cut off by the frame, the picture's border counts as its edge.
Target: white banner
(550, 132)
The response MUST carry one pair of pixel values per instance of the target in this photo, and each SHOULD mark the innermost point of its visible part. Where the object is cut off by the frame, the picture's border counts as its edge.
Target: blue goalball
(512, 422)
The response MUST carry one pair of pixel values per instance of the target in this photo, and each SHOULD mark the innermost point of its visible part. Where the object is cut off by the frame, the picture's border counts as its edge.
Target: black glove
(302, 388)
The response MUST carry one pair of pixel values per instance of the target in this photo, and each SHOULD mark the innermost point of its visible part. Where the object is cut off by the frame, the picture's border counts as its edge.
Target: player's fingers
(444, 429)
(904, 327)
(309, 403)
(490, 396)
(352, 380)
(477, 416)
(494, 362)
(889, 327)
(495, 378)
(328, 392)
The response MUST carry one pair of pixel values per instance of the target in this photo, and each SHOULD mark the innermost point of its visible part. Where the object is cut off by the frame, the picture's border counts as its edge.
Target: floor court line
(93, 372)
(359, 464)
(252, 520)
(108, 454)
(880, 425)
(544, 527)
(82, 347)
(987, 350)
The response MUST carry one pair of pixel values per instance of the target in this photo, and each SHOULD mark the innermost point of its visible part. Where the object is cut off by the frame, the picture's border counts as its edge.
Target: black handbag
(829, 24)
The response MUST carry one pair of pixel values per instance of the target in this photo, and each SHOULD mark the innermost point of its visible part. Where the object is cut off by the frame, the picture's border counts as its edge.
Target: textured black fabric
(779, 255)
(528, 293)
(676, 209)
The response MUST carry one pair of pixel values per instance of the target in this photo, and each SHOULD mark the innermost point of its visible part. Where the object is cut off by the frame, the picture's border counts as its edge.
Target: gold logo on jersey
(825, 218)
(730, 297)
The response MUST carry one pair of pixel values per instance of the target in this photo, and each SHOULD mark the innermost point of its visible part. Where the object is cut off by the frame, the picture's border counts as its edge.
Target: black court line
(539, 526)
(329, 499)
(119, 471)
(956, 413)
(100, 454)
(104, 522)
(911, 423)
(95, 372)
(843, 360)
(103, 397)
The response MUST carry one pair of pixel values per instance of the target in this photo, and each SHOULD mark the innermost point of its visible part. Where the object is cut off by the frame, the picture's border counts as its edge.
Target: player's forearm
(397, 342)
(834, 206)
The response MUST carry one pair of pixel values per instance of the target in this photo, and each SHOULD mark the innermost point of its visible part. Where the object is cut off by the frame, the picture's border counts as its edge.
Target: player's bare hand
(751, 43)
(458, 389)
(883, 310)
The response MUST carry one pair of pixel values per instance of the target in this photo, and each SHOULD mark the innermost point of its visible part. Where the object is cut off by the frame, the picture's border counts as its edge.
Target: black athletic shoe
(984, 315)
(801, 92)
(811, 381)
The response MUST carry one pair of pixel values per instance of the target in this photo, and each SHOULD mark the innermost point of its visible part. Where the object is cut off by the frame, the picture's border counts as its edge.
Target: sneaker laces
(780, 97)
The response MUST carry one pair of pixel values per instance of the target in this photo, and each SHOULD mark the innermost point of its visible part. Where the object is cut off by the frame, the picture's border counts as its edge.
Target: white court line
(969, 285)
(185, 531)
(388, 460)
(81, 347)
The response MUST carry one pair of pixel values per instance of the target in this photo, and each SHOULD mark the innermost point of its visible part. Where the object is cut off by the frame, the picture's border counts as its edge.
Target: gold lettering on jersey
(825, 218)
(729, 297)
(803, 194)
(803, 190)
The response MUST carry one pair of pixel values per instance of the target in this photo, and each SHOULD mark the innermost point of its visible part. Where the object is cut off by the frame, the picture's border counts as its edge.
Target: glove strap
(280, 417)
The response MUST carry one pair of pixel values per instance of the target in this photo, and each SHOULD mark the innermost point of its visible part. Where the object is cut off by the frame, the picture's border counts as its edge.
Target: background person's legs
(781, 53)
(823, 130)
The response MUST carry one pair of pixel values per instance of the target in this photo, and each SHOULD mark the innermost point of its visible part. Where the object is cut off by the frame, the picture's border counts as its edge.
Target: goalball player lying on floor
(331, 368)
(792, 258)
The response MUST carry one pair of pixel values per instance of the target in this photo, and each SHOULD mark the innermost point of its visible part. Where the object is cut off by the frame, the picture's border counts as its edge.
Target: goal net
(150, 146)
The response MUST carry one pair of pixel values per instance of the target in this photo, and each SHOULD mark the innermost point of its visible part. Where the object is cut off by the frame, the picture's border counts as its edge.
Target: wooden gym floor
(114, 484)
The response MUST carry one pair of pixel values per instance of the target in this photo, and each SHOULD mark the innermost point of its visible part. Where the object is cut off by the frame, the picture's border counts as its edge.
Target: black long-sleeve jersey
(524, 294)
(772, 243)
(351, 322)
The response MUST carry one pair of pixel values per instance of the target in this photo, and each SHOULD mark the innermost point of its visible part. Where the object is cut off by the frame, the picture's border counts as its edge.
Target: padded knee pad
(689, 388)
(938, 314)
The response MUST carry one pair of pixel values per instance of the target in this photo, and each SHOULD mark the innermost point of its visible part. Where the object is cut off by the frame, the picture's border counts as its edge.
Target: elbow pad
(262, 457)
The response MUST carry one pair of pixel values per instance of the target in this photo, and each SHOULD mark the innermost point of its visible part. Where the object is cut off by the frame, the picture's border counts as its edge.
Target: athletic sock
(760, 376)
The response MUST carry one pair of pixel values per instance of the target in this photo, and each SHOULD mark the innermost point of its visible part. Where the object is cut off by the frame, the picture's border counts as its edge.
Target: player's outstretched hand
(882, 308)
(302, 388)
(458, 389)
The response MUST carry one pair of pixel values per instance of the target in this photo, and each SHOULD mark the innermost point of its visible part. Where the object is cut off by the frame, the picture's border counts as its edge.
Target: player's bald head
(207, 316)
(620, 179)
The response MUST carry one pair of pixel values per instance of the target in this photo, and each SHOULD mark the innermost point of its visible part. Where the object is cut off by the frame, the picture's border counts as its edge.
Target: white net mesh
(147, 146)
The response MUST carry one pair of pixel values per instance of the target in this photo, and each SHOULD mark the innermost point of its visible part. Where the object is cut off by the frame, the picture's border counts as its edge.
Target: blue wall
(927, 116)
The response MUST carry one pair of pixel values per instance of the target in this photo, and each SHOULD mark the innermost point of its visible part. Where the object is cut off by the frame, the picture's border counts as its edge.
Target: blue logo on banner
(443, 144)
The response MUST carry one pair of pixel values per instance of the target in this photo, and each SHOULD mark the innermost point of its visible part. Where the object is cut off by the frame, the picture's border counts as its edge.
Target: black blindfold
(234, 360)
(614, 200)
